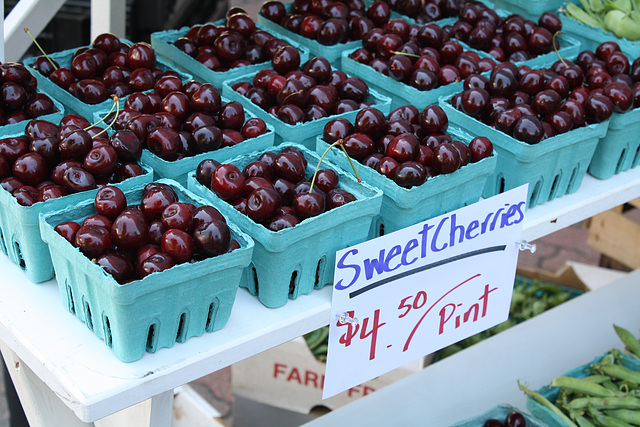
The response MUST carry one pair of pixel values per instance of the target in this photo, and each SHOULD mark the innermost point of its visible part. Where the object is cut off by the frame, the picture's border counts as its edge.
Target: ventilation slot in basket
(87, 315)
(501, 185)
(554, 187)
(151, 338)
(535, 193)
(3, 245)
(636, 158)
(572, 180)
(181, 335)
(19, 260)
(620, 161)
(319, 273)
(70, 305)
(381, 229)
(211, 316)
(254, 281)
(107, 331)
(293, 283)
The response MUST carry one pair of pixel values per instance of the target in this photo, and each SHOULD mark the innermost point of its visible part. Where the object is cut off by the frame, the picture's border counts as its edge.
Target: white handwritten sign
(410, 293)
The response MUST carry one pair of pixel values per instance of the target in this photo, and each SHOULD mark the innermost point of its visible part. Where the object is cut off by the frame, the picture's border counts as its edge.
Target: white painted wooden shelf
(83, 373)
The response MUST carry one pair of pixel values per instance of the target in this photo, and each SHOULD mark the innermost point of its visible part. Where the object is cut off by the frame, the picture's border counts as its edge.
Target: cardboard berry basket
(162, 42)
(55, 117)
(591, 37)
(157, 311)
(303, 133)
(297, 260)
(550, 419)
(498, 412)
(531, 9)
(619, 149)
(402, 207)
(73, 104)
(332, 53)
(20, 230)
(399, 92)
(178, 169)
(553, 167)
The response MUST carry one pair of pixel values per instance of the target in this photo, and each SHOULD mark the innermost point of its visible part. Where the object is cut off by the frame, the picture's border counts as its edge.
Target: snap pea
(583, 386)
(628, 415)
(580, 419)
(604, 402)
(605, 420)
(547, 404)
(628, 339)
(620, 372)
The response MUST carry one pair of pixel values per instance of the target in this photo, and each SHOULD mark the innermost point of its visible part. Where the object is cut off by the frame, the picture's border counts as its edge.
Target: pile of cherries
(311, 92)
(237, 44)
(513, 419)
(19, 99)
(109, 67)
(274, 190)
(408, 146)
(513, 38)
(179, 120)
(327, 21)
(424, 58)
(132, 241)
(53, 160)
(424, 11)
(532, 105)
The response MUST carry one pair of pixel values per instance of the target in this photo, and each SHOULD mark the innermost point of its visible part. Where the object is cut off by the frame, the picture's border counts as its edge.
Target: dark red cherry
(212, 238)
(178, 244)
(227, 181)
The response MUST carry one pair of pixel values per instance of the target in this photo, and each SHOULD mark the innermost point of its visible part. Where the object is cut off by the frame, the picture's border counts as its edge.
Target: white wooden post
(108, 16)
(32, 14)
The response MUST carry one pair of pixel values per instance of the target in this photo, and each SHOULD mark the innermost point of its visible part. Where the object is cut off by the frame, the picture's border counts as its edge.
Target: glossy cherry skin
(409, 174)
(178, 216)
(130, 229)
(307, 205)
(116, 265)
(68, 230)
(289, 166)
(31, 168)
(141, 55)
(213, 238)
(263, 203)
(155, 201)
(528, 129)
(480, 147)
(155, 263)
(90, 91)
(205, 214)
(93, 241)
(227, 181)
(110, 201)
(178, 244)
(207, 138)
(446, 158)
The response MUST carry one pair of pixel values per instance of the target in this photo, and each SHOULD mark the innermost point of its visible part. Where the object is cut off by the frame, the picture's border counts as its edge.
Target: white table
(472, 381)
(65, 373)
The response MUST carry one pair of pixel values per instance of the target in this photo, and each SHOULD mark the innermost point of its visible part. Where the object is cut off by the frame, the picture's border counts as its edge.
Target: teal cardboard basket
(297, 260)
(401, 93)
(553, 167)
(402, 207)
(177, 170)
(498, 412)
(157, 311)
(71, 103)
(332, 53)
(303, 133)
(591, 37)
(162, 42)
(551, 393)
(20, 231)
(619, 149)
(531, 9)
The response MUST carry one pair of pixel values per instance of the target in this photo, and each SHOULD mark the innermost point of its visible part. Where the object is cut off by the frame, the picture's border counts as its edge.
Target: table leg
(44, 408)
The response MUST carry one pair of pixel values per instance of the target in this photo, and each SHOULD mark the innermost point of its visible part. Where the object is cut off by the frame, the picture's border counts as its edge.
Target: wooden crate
(616, 234)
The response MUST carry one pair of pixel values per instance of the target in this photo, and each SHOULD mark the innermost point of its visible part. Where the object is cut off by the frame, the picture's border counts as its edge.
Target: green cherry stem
(555, 48)
(338, 142)
(26, 30)
(116, 105)
(413, 55)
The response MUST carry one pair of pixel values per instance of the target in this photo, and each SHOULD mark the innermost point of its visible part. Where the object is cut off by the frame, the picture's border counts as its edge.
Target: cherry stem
(116, 105)
(338, 142)
(284, 101)
(26, 30)
(413, 55)
(555, 48)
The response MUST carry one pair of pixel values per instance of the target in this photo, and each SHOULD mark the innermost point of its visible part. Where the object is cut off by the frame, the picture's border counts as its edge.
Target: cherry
(178, 244)
(212, 238)
(205, 214)
(31, 168)
(110, 201)
(204, 170)
(598, 108)
(480, 147)
(101, 161)
(282, 221)
(93, 241)
(26, 195)
(528, 129)
(262, 203)
(52, 191)
(446, 158)
(68, 230)
(409, 174)
(227, 181)
(116, 265)
(307, 204)
(141, 55)
(155, 263)
(97, 220)
(337, 197)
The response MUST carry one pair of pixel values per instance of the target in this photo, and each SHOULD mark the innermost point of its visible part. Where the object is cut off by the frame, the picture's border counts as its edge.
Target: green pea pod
(628, 340)
(604, 403)
(580, 15)
(596, 6)
(581, 420)
(624, 25)
(626, 415)
(605, 420)
(583, 386)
